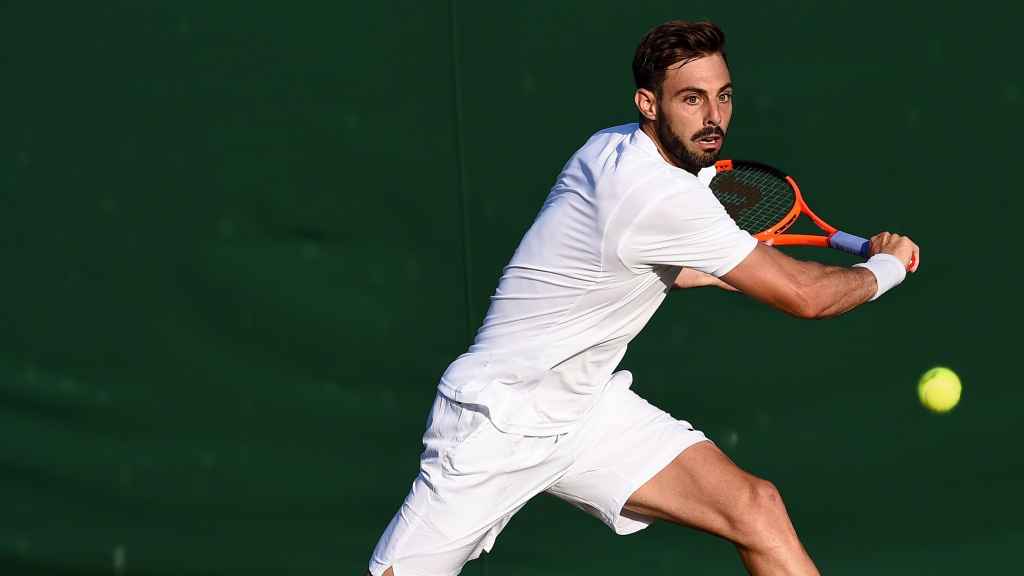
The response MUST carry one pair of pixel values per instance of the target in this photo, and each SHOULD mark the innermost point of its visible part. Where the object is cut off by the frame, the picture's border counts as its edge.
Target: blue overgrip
(849, 243)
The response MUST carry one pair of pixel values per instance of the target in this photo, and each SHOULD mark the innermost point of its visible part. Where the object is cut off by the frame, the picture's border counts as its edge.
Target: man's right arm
(811, 290)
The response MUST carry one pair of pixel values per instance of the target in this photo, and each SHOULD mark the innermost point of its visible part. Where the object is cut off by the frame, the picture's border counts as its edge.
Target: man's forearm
(833, 290)
(812, 290)
(801, 288)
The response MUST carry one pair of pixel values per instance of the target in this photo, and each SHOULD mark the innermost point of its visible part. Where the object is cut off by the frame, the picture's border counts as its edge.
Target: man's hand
(690, 278)
(901, 247)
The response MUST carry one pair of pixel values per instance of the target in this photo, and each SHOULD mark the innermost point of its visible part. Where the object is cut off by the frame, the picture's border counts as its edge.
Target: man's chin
(705, 159)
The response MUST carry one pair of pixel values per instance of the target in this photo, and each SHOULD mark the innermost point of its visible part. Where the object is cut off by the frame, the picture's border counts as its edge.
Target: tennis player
(536, 405)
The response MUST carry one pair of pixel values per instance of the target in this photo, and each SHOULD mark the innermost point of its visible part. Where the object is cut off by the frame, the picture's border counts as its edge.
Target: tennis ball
(939, 389)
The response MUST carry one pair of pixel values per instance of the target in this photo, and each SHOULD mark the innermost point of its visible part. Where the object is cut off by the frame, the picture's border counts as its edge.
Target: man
(535, 405)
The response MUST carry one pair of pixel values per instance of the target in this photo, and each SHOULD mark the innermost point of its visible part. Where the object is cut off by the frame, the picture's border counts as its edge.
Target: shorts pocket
(488, 451)
(462, 457)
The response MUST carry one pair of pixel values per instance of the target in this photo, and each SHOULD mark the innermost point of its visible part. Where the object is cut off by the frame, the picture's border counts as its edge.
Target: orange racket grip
(796, 240)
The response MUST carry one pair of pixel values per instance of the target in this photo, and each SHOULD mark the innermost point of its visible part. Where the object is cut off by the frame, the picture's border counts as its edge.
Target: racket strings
(755, 198)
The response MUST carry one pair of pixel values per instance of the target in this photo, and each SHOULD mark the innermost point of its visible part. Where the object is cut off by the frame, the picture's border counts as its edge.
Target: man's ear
(646, 103)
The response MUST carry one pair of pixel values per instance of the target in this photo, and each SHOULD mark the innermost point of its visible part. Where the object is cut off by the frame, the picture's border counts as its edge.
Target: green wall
(242, 241)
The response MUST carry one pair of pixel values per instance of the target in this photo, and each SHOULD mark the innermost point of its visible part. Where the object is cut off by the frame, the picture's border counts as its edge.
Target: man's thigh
(701, 488)
(624, 443)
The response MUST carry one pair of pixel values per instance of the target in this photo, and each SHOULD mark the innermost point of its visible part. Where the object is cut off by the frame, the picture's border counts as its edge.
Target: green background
(242, 240)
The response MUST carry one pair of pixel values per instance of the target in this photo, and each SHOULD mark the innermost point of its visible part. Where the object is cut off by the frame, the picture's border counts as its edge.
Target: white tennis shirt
(597, 262)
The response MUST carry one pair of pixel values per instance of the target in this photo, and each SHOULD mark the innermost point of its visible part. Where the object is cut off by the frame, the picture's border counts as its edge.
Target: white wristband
(889, 271)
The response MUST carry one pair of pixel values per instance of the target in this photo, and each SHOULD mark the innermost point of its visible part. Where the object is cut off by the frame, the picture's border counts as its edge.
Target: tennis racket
(766, 202)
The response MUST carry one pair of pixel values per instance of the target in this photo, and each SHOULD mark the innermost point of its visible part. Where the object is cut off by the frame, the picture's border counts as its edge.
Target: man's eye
(724, 98)
(692, 99)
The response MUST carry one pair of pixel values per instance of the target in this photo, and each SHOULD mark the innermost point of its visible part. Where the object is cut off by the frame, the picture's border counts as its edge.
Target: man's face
(692, 113)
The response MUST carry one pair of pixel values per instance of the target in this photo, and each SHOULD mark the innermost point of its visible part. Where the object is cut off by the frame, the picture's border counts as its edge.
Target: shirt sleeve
(688, 227)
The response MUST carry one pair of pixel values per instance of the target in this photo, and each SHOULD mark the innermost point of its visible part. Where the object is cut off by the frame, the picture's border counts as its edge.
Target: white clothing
(597, 262)
(473, 478)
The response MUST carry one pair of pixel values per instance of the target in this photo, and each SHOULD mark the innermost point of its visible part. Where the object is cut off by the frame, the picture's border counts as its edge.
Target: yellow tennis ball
(939, 389)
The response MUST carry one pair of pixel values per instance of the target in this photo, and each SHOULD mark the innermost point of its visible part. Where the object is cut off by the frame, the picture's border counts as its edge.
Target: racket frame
(775, 235)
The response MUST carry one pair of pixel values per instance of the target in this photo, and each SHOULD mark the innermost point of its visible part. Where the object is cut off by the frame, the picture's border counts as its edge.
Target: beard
(682, 156)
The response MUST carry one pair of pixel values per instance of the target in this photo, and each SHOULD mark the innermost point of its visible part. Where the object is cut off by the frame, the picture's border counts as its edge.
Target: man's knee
(766, 496)
(759, 517)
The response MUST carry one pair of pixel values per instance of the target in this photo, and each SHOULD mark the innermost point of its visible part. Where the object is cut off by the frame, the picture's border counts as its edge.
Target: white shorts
(473, 477)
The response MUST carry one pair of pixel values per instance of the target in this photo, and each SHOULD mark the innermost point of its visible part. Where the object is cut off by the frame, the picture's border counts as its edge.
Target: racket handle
(849, 243)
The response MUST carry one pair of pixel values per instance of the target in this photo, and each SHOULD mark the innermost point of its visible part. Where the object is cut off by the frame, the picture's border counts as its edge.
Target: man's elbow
(803, 304)
(815, 313)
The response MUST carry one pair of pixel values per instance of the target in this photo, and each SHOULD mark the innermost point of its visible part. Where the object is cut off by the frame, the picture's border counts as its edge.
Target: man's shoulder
(622, 130)
(622, 161)
(605, 143)
(622, 152)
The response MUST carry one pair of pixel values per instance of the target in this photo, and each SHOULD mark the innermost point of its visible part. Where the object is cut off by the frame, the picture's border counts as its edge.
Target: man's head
(684, 92)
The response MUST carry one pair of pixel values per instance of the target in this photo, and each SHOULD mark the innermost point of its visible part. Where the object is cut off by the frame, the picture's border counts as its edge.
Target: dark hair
(672, 42)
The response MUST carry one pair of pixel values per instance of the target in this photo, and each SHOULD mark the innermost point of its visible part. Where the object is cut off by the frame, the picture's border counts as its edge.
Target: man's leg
(702, 488)
(473, 479)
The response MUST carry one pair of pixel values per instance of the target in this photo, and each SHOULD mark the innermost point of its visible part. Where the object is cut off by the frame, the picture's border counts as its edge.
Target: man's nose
(712, 117)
